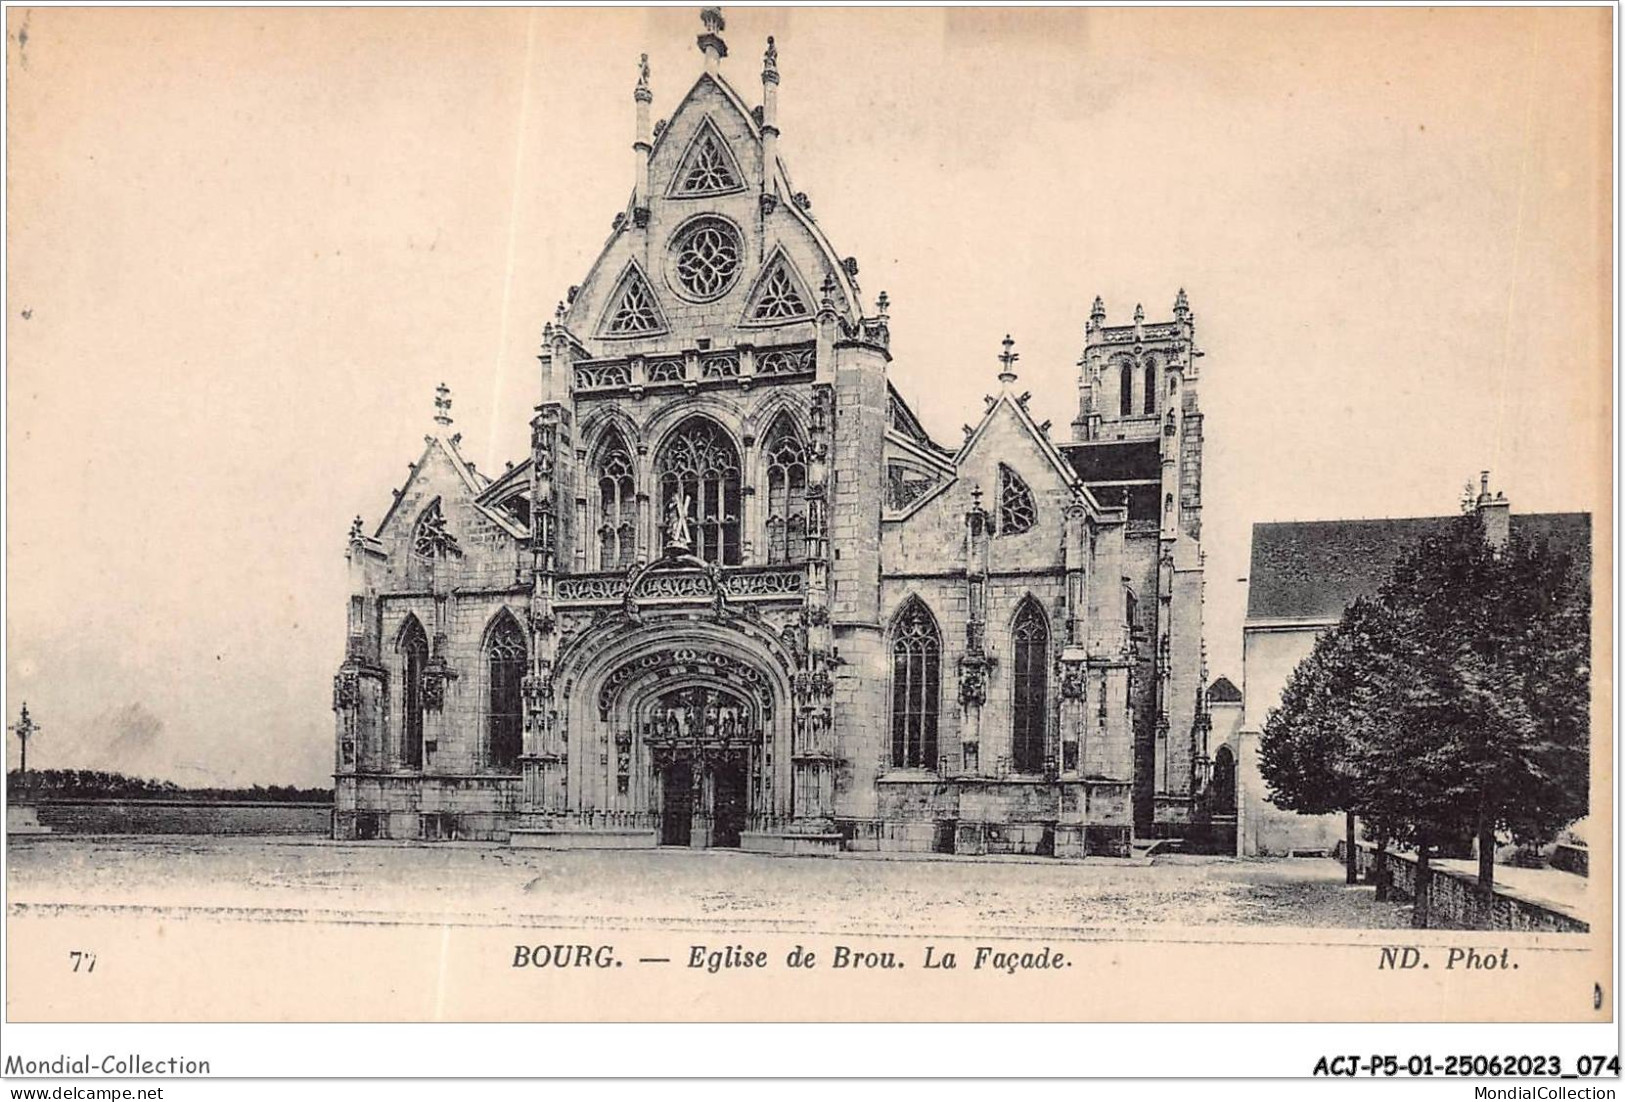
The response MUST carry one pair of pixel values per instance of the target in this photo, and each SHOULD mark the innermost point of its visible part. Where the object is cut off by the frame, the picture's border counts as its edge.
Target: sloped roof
(1223, 691)
(1313, 570)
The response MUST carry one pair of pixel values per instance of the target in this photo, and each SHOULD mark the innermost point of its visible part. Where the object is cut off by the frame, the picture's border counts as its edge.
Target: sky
(243, 245)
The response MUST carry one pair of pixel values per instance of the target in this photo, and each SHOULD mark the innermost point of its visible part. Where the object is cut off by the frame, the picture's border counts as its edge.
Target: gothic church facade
(738, 596)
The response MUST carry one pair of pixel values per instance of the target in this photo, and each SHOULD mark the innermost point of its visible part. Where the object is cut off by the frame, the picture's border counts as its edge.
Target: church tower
(1137, 443)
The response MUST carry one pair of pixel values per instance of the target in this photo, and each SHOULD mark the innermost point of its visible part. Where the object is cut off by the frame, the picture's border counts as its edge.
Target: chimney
(1495, 513)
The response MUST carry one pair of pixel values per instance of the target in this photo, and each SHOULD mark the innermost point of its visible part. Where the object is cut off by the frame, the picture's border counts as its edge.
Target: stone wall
(1453, 901)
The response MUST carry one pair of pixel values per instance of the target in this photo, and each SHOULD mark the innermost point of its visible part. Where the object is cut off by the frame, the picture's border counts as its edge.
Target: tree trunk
(1352, 873)
(1379, 869)
(1485, 892)
(1424, 875)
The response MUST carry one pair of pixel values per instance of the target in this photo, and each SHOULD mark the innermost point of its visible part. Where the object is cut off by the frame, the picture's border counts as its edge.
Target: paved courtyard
(316, 880)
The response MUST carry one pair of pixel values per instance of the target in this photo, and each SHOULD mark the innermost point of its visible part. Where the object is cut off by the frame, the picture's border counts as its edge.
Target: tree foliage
(96, 784)
(1454, 703)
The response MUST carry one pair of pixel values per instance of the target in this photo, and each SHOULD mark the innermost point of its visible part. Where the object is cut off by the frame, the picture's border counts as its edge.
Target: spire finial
(1182, 305)
(1097, 312)
(883, 303)
(710, 43)
(1008, 359)
(641, 92)
(770, 61)
(442, 404)
(1139, 314)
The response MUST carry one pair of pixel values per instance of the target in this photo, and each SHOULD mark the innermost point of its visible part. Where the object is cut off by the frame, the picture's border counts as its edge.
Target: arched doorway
(1224, 782)
(710, 760)
(679, 726)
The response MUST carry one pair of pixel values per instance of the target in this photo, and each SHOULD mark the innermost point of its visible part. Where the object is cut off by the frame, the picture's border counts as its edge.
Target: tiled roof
(1315, 569)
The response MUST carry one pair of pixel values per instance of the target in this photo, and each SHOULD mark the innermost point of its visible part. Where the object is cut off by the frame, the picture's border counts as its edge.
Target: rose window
(708, 259)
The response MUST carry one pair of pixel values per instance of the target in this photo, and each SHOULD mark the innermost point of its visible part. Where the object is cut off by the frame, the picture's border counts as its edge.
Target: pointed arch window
(633, 311)
(430, 537)
(778, 298)
(1125, 389)
(708, 169)
(916, 688)
(617, 505)
(504, 717)
(1017, 512)
(699, 479)
(1030, 687)
(1150, 386)
(786, 494)
(413, 647)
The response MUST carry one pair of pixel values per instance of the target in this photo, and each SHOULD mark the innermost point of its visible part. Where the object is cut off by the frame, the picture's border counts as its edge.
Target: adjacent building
(1303, 575)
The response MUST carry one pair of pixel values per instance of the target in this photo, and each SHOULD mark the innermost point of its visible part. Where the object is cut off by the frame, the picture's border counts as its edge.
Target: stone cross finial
(442, 404)
(1008, 359)
(827, 289)
(356, 528)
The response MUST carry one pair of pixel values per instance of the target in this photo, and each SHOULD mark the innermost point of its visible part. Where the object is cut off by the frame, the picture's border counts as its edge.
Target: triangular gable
(476, 484)
(1040, 438)
(726, 91)
(633, 310)
(707, 167)
(780, 295)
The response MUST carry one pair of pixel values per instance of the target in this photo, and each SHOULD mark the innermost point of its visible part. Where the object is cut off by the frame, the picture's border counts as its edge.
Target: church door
(728, 803)
(677, 803)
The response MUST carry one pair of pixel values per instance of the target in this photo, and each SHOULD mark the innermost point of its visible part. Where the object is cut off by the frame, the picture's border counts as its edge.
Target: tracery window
(617, 506)
(636, 311)
(916, 687)
(786, 494)
(708, 169)
(1017, 513)
(778, 299)
(707, 258)
(699, 478)
(1150, 386)
(1030, 687)
(414, 652)
(505, 720)
(1125, 390)
(430, 534)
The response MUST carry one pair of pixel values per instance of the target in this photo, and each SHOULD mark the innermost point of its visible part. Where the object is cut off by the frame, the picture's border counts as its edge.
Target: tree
(1455, 702)
(1502, 706)
(1307, 750)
